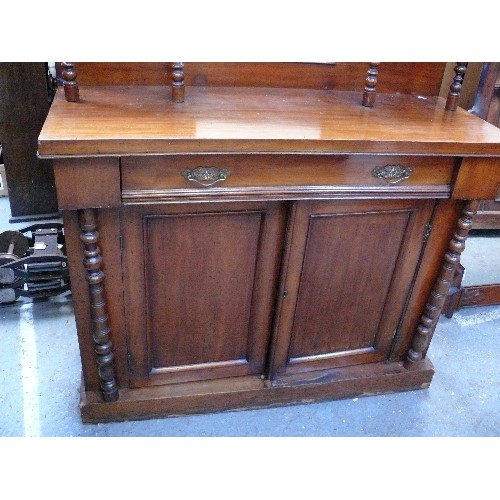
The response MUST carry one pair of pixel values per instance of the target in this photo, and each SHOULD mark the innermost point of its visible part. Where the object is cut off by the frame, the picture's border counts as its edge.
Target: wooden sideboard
(241, 246)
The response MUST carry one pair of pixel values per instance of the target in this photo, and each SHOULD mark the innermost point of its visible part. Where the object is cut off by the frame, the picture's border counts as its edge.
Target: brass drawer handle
(392, 174)
(206, 176)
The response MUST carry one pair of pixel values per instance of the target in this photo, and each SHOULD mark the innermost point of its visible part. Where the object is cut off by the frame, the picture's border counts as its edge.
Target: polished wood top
(131, 120)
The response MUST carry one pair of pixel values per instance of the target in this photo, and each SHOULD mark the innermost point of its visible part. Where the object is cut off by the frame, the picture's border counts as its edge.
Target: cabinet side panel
(87, 183)
(478, 179)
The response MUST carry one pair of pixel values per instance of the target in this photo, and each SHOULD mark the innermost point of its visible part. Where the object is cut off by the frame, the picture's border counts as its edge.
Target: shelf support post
(370, 91)
(178, 82)
(456, 87)
(70, 85)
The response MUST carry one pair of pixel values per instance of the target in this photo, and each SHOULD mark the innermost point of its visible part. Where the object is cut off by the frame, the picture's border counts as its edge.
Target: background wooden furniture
(486, 106)
(253, 235)
(25, 99)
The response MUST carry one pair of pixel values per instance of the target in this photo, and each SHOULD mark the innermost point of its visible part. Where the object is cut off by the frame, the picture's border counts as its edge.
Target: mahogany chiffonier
(252, 235)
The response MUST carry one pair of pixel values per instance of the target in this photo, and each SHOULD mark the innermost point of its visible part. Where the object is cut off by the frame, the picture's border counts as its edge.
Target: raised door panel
(200, 282)
(348, 272)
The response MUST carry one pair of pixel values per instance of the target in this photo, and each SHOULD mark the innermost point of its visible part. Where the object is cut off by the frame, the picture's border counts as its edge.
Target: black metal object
(33, 263)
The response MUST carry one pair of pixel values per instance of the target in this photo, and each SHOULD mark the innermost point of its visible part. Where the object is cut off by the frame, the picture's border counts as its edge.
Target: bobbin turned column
(370, 91)
(456, 86)
(70, 85)
(178, 82)
(95, 278)
(435, 303)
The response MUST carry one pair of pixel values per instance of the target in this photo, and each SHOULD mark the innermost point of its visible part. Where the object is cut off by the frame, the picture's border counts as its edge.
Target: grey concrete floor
(40, 379)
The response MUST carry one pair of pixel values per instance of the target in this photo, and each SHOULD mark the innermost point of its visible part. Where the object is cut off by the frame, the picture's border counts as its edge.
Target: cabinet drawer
(285, 175)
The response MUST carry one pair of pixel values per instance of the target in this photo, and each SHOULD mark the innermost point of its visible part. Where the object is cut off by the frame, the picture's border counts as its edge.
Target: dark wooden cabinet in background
(487, 218)
(254, 245)
(25, 100)
(487, 106)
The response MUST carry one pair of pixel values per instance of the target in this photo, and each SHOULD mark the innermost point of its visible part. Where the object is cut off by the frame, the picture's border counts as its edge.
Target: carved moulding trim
(131, 196)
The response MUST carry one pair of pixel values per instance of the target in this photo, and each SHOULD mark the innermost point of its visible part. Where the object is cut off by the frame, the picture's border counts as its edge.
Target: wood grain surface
(419, 78)
(142, 120)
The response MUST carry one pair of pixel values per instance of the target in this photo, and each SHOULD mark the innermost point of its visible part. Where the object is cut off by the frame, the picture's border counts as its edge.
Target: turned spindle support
(370, 91)
(178, 82)
(456, 87)
(95, 278)
(435, 302)
(70, 85)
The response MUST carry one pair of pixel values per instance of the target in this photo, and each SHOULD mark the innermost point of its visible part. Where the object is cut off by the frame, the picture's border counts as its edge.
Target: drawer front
(285, 175)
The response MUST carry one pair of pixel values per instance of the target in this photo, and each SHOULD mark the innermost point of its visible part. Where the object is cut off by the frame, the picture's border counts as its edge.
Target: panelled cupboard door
(200, 286)
(347, 273)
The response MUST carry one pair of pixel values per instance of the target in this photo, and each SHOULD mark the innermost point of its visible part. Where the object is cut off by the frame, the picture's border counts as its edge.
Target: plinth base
(244, 393)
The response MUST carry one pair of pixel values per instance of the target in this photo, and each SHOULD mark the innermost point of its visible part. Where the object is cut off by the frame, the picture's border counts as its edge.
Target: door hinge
(395, 338)
(129, 361)
(121, 241)
(427, 231)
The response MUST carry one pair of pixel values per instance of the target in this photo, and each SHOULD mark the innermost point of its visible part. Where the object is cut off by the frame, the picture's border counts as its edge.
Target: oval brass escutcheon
(206, 176)
(392, 174)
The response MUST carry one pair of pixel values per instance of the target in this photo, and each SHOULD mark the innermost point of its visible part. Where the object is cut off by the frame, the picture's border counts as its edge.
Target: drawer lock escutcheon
(206, 176)
(392, 174)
